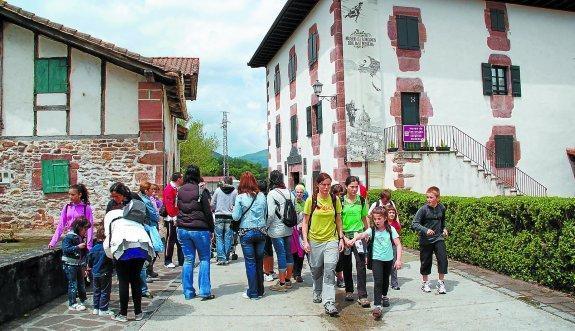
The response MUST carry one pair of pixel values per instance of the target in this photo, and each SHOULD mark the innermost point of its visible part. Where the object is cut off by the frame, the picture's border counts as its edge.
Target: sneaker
(95, 312)
(106, 313)
(316, 298)
(363, 302)
(147, 294)
(77, 307)
(298, 279)
(221, 263)
(154, 274)
(274, 275)
(170, 265)
(349, 296)
(227, 262)
(278, 287)
(340, 283)
(441, 287)
(397, 288)
(331, 309)
(139, 317)
(385, 301)
(425, 287)
(245, 296)
(268, 278)
(288, 284)
(376, 313)
(149, 280)
(120, 318)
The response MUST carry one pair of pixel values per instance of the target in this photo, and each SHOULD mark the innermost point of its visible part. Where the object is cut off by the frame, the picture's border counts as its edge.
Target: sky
(224, 34)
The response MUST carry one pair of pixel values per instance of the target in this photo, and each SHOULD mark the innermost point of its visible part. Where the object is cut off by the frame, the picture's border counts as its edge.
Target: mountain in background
(260, 157)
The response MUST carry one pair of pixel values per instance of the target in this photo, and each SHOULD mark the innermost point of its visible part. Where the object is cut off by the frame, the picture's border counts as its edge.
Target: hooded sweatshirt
(223, 201)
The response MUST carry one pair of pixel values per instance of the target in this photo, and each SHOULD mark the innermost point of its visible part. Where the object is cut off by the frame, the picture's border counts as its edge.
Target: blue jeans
(283, 252)
(76, 285)
(143, 276)
(224, 238)
(253, 243)
(102, 288)
(192, 241)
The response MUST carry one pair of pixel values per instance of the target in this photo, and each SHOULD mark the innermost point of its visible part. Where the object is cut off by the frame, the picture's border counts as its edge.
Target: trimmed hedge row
(528, 238)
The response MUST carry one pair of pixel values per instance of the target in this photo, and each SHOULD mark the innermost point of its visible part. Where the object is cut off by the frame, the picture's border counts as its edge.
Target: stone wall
(95, 162)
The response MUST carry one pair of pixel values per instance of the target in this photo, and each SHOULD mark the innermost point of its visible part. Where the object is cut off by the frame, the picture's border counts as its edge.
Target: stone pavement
(476, 299)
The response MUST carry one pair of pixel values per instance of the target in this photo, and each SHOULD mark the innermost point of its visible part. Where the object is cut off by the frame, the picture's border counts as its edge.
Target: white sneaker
(170, 265)
(425, 287)
(274, 275)
(120, 318)
(106, 313)
(268, 278)
(441, 287)
(95, 312)
(139, 317)
(76, 307)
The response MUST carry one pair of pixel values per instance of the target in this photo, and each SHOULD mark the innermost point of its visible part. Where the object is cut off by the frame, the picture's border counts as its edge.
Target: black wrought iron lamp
(317, 87)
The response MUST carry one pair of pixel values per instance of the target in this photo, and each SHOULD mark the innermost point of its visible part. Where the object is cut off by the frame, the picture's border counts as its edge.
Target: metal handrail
(451, 138)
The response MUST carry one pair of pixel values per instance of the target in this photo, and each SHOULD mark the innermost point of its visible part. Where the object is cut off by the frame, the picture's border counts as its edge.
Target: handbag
(235, 225)
(156, 239)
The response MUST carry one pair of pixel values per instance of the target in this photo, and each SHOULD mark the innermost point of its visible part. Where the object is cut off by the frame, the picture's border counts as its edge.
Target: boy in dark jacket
(101, 267)
(73, 252)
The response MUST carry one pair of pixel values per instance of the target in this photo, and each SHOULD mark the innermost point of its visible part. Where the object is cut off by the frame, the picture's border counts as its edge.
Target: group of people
(327, 227)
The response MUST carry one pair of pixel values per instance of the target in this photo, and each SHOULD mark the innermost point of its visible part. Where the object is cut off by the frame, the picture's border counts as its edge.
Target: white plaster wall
(170, 140)
(85, 97)
(51, 123)
(324, 20)
(51, 48)
(18, 81)
(51, 99)
(121, 100)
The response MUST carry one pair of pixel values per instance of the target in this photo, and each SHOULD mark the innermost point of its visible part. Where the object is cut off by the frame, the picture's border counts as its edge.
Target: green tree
(198, 149)
(238, 166)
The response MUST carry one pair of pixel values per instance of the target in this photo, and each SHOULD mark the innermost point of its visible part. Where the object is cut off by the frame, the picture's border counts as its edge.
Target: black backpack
(289, 217)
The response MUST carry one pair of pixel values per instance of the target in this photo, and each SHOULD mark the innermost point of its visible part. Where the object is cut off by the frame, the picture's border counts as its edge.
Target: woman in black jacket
(195, 225)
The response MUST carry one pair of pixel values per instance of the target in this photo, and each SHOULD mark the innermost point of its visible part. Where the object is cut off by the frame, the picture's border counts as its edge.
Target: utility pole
(225, 142)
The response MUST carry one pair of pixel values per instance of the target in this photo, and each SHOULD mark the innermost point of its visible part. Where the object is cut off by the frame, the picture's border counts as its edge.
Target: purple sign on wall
(413, 133)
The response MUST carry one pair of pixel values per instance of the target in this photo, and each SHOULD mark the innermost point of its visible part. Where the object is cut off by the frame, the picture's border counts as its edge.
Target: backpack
(289, 217)
(369, 263)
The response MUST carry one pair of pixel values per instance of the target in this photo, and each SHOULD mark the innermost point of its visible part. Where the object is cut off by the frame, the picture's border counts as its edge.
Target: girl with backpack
(79, 206)
(323, 240)
(277, 200)
(394, 221)
(380, 259)
(354, 220)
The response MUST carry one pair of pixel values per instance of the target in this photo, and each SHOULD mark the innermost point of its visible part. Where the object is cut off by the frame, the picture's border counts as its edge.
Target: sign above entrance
(414, 133)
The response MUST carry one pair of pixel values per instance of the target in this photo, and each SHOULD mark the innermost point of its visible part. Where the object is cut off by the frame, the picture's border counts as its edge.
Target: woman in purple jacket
(79, 206)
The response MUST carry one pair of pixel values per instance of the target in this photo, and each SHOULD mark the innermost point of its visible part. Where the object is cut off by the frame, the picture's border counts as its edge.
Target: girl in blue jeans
(195, 227)
(73, 251)
(250, 210)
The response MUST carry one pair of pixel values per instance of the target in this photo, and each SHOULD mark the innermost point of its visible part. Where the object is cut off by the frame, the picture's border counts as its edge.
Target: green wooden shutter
(293, 125)
(278, 135)
(515, 81)
(318, 118)
(402, 37)
(497, 20)
(58, 75)
(308, 120)
(412, 33)
(486, 77)
(41, 76)
(309, 49)
(504, 151)
(55, 176)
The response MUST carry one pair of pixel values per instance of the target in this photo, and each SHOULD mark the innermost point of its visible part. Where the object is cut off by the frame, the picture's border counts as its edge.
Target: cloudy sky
(222, 33)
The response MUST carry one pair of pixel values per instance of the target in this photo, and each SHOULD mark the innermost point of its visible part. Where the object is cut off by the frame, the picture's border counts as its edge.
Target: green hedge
(525, 237)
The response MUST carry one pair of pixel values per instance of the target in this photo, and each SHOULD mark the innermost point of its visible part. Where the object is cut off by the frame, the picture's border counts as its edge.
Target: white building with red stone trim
(76, 109)
(491, 82)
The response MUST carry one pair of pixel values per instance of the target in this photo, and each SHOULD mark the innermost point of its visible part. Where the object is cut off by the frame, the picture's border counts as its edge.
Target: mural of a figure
(351, 111)
(354, 12)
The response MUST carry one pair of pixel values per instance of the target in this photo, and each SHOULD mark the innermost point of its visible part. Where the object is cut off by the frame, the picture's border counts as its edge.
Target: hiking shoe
(170, 265)
(298, 279)
(441, 287)
(385, 301)
(268, 278)
(106, 313)
(274, 275)
(147, 294)
(331, 309)
(120, 318)
(288, 284)
(425, 287)
(278, 287)
(154, 274)
(376, 313)
(363, 302)
(77, 307)
(317, 298)
(349, 296)
(397, 288)
(139, 316)
(220, 262)
(95, 312)
(340, 283)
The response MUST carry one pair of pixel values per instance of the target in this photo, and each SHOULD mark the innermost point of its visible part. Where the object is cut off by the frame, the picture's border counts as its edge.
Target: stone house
(473, 96)
(77, 109)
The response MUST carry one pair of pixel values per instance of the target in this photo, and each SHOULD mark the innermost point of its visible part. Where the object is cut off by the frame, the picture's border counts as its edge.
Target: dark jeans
(253, 243)
(171, 240)
(102, 286)
(268, 248)
(297, 264)
(76, 285)
(381, 271)
(426, 256)
(345, 265)
(129, 276)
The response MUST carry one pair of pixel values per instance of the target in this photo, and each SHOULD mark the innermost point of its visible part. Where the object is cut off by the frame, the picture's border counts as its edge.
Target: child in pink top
(79, 206)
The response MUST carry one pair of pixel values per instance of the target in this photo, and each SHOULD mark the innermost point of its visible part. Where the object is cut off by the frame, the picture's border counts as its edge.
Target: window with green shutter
(504, 154)
(515, 81)
(407, 32)
(312, 48)
(278, 135)
(51, 75)
(55, 176)
(318, 118)
(497, 20)
(308, 120)
(293, 124)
